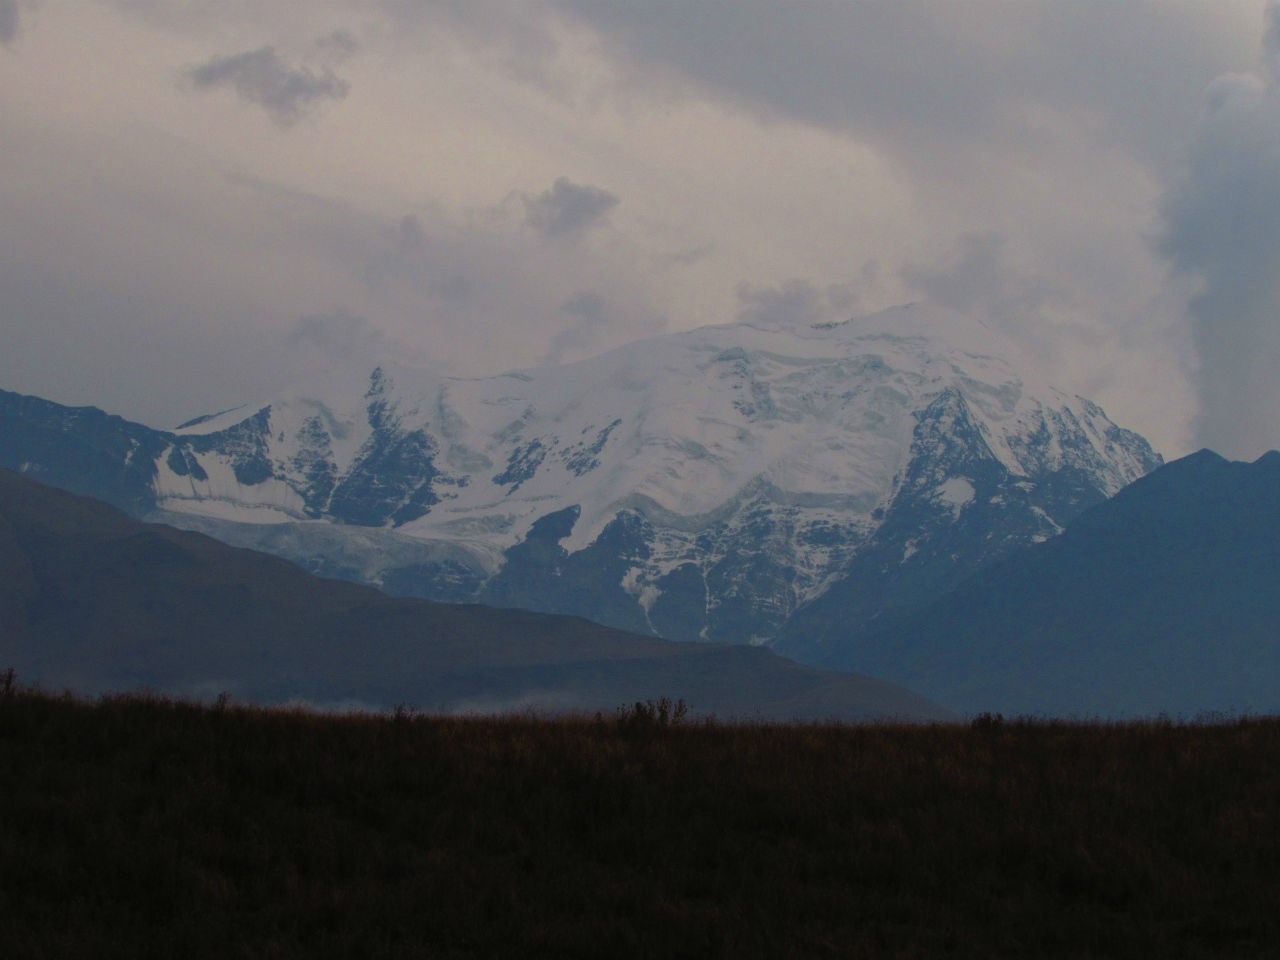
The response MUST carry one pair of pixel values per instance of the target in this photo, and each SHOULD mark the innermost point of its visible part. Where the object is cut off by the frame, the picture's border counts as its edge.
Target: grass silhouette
(139, 826)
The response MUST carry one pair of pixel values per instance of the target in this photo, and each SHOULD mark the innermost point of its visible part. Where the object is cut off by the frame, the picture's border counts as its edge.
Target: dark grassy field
(138, 827)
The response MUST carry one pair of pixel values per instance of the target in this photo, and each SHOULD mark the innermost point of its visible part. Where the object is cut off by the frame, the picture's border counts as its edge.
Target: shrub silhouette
(649, 715)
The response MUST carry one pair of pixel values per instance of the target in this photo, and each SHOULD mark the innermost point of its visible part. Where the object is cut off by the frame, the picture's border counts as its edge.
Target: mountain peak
(709, 483)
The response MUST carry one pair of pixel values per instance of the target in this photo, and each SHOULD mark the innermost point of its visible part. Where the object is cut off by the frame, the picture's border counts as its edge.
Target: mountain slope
(747, 483)
(1164, 598)
(82, 449)
(95, 601)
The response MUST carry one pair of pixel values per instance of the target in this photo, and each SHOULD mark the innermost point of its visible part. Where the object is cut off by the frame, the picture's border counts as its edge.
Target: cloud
(796, 302)
(915, 72)
(568, 209)
(590, 313)
(409, 235)
(423, 260)
(338, 45)
(264, 78)
(469, 295)
(971, 282)
(985, 153)
(1221, 229)
(9, 21)
(976, 278)
(687, 257)
(1020, 151)
(339, 335)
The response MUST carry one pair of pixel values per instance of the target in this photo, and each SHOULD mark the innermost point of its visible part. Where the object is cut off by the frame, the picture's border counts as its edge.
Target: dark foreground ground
(137, 827)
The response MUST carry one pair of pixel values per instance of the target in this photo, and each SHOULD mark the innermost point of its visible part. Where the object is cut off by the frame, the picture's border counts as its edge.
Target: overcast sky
(203, 200)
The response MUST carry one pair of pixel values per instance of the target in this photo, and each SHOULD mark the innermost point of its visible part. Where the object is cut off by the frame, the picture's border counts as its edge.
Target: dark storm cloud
(568, 209)
(1221, 228)
(9, 21)
(264, 78)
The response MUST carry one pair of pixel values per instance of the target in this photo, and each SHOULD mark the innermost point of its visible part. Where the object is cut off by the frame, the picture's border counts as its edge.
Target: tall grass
(137, 826)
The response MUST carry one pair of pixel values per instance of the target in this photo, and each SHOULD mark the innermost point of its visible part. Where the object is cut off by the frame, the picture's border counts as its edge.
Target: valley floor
(138, 827)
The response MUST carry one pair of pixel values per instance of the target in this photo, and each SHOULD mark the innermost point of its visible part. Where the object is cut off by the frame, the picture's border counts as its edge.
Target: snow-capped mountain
(708, 484)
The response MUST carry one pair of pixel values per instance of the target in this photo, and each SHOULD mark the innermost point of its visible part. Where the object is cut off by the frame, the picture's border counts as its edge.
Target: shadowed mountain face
(1165, 598)
(81, 449)
(95, 601)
